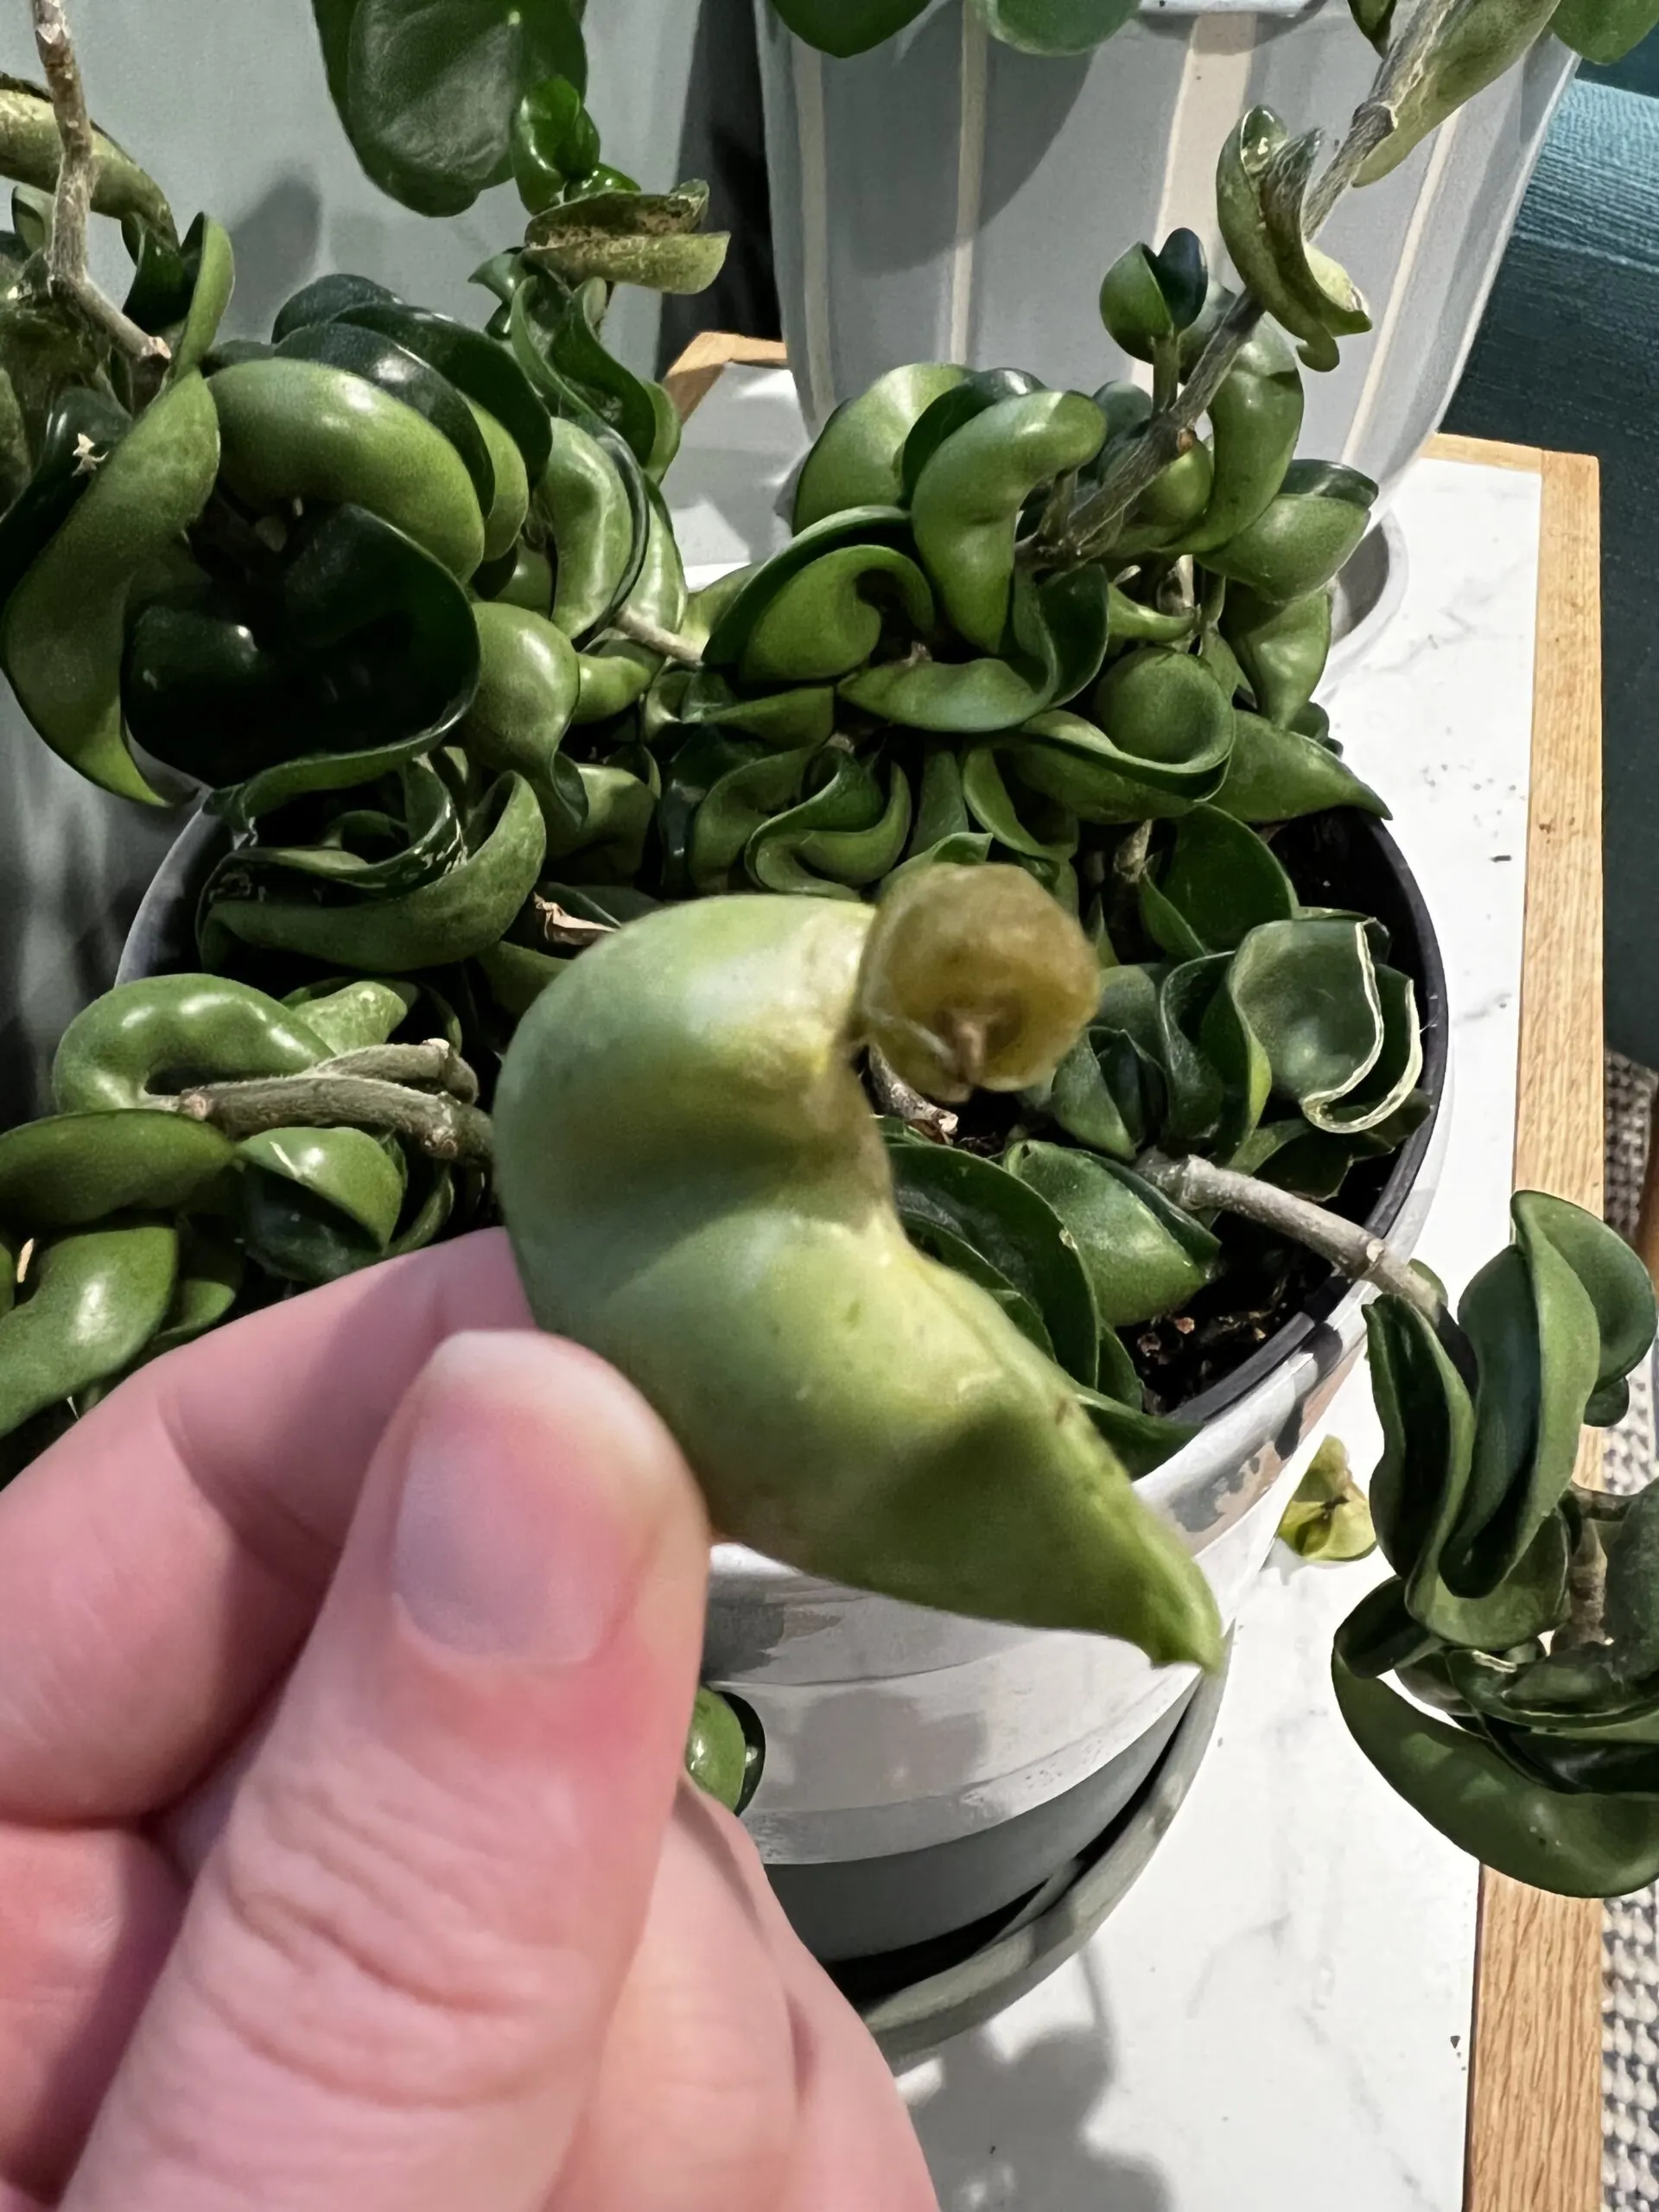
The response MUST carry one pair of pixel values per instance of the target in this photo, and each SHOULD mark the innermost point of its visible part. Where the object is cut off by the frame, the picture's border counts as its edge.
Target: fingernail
(535, 1480)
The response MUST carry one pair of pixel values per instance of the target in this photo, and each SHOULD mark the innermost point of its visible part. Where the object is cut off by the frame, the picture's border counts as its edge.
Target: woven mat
(1630, 1939)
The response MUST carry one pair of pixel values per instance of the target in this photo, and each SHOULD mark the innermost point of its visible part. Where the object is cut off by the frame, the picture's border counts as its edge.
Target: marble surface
(1277, 2016)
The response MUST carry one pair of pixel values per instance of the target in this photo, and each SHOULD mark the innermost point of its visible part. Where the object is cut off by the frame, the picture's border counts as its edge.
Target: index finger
(160, 1564)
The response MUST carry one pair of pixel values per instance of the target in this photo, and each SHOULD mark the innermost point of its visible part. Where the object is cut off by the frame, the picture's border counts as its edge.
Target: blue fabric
(1638, 73)
(1567, 356)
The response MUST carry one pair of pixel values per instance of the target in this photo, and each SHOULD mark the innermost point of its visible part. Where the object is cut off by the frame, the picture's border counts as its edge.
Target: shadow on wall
(724, 140)
(74, 865)
(277, 243)
(1010, 2133)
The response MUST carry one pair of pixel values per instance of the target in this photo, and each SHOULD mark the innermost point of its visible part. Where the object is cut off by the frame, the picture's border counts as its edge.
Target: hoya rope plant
(934, 1024)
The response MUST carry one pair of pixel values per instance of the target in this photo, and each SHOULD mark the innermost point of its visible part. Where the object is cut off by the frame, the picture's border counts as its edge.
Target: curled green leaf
(1328, 1518)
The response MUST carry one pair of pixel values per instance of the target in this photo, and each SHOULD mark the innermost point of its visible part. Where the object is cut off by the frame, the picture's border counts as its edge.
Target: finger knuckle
(353, 1947)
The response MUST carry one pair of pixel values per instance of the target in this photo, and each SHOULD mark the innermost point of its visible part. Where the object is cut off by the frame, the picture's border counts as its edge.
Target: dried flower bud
(973, 978)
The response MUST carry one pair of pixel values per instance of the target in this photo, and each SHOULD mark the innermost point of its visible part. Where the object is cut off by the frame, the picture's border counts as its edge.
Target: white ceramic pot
(945, 198)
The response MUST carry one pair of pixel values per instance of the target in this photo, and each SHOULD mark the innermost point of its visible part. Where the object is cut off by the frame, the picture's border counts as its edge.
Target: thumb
(393, 1980)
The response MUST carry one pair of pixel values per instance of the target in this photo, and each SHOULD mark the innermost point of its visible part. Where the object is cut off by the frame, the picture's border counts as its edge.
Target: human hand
(346, 1864)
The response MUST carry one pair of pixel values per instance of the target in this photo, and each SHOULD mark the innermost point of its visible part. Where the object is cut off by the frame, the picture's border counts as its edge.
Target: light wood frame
(1535, 2087)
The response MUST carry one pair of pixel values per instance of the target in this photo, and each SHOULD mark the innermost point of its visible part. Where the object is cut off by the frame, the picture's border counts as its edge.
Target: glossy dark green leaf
(1306, 534)
(516, 975)
(1330, 1017)
(1078, 766)
(782, 721)
(706, 755)
(554, 141)
(846, 833)
(1282, 649)
(1216, 882)
(1421, 1489)
(856, 460)
(1142, 1441)
(1027, 824)
(1144, 1257)
(62, 632)
(1555, 1320)
(602, 177)
(616, 820)
(1106, 1092)
(1603, 31)
(367, 652)
(1164, 711)
(1274, 775)
(1134, 623)
(849, 527)
(430, 87)
(326, 297)
(210, 267)
(180, 290)
(1314, 1163)
(956, 1253)
(68, 1171)
(82, 428)
(1216, 1070)
(1381, 1634)
(440, 922)
(351, 1014)
(1055, 644)
(1574, 1845)
(1255, 420)
(1017, 1232)
(475, 364)
(393, 368)
(747, 797)
(211, 1270)
(967, 393)
(555, 344)
(319, 1203)
(941, 808)
(1136, 306)
(966, 506)
(526, 692)
(845, 26)
(592, 504)
(364, 853)
(1376, 19)
(828, 618)
(91, 1301)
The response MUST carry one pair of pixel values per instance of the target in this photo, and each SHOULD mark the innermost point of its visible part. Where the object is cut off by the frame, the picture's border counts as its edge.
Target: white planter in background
(946, 198)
